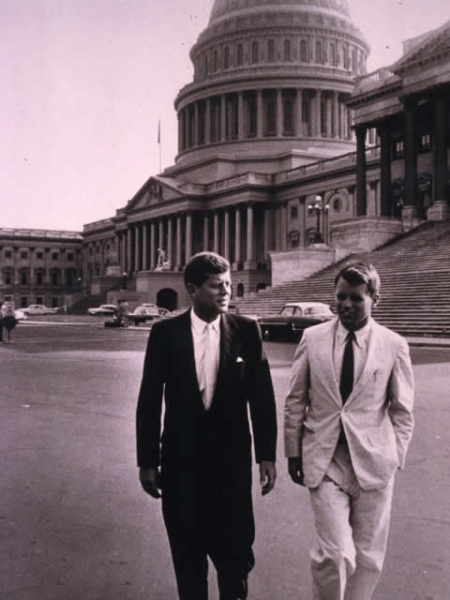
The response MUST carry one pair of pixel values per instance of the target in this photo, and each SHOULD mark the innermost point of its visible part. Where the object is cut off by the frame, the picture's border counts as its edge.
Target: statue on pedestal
(162, 264)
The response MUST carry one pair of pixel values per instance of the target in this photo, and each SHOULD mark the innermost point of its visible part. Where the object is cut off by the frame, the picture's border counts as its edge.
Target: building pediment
(157, 190)
(427, 49)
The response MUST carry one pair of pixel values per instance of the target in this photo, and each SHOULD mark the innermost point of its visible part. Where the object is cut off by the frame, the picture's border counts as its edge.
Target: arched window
(333, 55)
(226, 58)
(240, 55)
(319, 52)
(303, 51)
(345, 57)
(287, 51)
(215, 61)
(255, 52)
(271, 51)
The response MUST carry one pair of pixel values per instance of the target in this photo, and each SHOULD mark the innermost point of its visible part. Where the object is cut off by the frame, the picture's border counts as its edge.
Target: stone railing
(374, 80)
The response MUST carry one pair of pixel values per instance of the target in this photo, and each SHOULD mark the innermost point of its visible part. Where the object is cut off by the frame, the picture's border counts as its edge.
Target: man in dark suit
(210, 366)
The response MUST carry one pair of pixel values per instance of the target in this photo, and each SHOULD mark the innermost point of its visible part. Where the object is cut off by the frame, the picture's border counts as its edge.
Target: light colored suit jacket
(377, 417)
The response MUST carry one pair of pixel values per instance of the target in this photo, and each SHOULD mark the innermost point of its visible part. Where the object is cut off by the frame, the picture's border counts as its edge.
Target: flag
(159, 131)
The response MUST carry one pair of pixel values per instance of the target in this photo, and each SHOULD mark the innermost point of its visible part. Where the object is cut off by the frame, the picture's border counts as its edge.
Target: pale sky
(84, 83)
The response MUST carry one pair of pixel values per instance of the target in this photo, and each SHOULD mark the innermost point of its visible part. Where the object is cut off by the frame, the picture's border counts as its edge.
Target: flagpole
(159, 144)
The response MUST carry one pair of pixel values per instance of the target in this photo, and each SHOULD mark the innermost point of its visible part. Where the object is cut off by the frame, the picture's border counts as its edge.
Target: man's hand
(150, 481)
(295, 469)
(267, 476)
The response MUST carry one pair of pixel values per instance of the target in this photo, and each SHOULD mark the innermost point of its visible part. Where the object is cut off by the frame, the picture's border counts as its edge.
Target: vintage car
(104, 310)
(39, 309)
(146, 312)
(293, 319)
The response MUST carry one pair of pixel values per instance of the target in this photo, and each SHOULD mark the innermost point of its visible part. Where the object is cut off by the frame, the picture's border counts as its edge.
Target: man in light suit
(210, 367)
(348, 424)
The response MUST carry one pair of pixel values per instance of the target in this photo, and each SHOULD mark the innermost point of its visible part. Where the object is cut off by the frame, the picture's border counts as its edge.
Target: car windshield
(317, 310)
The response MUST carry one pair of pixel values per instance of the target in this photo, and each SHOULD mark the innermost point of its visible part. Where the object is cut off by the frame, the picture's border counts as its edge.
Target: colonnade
(439, 105)
(243, 233)
(264, 113)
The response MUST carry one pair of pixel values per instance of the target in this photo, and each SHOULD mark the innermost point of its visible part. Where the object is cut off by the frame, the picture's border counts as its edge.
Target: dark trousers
(207, 517)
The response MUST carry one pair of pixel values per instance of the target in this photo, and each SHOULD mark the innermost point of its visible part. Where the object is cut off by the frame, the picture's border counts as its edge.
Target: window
(399, 149)
(270, 128)
(8, 254)
(215, 61)
(319, 53)
(40, 255)
(287, 51)
(23, 277)
(303, 51)
(55, 277)
(333, 55)
(226, 58)
(240, 290)
(255, 52)
(70, 256)
(23, 254)
(7, 277)
(294, 212)
(39, 278)
(271, 51)
(288, 115)
(55, 255)
(240, 55)
(252, 116)
(425, 142)
(205, 65)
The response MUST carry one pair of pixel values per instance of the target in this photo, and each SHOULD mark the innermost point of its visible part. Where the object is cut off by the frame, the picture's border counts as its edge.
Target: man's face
(354, 304)
(212, 298)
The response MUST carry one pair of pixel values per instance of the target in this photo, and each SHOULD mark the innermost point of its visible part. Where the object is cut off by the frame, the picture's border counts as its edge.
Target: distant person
(210, 367)
(348, 424)
(8, 319)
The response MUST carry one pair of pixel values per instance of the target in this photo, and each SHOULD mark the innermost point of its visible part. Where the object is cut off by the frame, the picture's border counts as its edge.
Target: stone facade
(40, 267)
(290, 155)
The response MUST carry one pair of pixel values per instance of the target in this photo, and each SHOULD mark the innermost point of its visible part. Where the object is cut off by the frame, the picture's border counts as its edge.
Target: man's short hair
(357, 273)
(202, 265)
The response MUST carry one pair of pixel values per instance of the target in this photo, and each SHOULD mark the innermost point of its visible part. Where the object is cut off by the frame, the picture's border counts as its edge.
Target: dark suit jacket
(192, 434)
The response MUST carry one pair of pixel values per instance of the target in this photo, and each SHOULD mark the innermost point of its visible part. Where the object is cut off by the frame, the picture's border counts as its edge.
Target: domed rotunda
(270, 79)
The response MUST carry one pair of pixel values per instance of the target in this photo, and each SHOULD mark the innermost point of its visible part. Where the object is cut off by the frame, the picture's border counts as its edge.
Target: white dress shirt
(206, 363)
(341, 470)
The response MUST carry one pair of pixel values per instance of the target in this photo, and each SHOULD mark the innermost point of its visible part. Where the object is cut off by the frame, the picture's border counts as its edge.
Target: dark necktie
(348, 368)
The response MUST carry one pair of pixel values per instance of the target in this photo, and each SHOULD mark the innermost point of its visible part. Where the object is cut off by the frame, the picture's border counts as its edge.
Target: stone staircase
(415, 283)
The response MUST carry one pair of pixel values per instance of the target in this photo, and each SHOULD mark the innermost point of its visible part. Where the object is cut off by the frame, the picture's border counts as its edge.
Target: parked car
(147, 312)
(293, 319)
(108, 310)
(39, 309)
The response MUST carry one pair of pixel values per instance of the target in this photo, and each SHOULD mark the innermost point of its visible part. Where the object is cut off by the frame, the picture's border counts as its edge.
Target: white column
(249, 233)
(216, 232)
(237, 240)
(169, 241)
(188, 237)
(178, 263)
(152, 245)
(226, 234)
(259, 114)
(206, 231)
(144, 246)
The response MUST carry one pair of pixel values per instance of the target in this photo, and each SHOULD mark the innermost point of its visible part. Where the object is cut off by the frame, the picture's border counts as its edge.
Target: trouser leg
(333, 557)
(370, 519)
(188, 548)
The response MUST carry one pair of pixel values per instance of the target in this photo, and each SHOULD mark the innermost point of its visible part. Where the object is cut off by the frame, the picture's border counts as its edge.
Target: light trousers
(352, 533)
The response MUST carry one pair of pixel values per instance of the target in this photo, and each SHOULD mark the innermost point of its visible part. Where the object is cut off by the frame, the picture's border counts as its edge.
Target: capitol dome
(271, 77)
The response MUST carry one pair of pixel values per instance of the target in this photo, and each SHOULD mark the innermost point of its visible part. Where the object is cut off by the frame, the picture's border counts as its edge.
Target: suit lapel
(327, 363)
(185, 343)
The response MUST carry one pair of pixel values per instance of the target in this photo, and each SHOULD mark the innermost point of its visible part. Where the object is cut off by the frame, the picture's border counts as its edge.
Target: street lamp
(318, 208)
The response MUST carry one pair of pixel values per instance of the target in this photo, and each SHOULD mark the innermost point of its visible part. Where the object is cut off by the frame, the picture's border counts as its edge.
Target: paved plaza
(75, 524)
